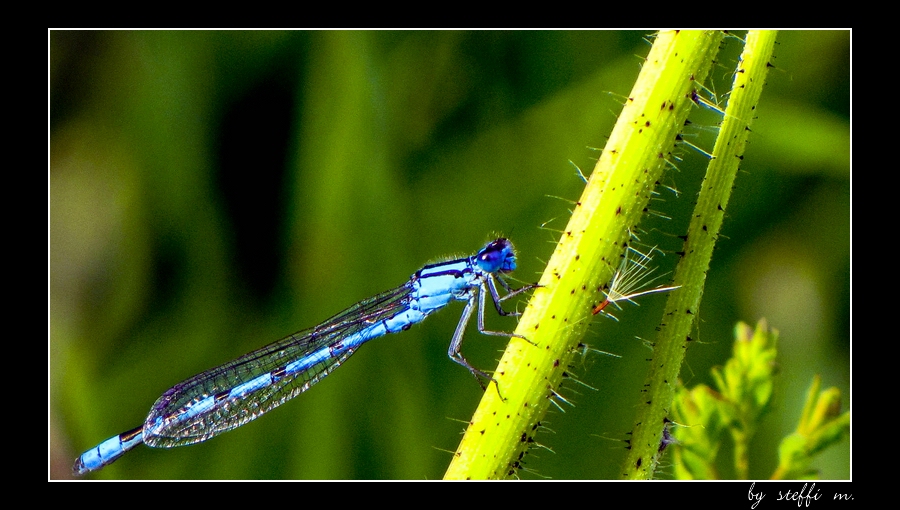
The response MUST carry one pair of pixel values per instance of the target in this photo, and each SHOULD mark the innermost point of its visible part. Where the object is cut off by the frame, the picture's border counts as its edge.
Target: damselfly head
(497, 256)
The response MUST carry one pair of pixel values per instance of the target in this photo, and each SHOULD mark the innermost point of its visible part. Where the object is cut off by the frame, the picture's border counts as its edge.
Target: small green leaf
(698, 410)
(821, 425)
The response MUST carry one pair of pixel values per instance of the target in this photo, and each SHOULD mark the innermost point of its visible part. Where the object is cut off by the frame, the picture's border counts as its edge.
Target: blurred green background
(211, 192)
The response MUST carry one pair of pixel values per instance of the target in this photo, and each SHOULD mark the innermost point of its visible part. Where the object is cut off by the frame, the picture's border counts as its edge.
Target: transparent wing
(171, 423)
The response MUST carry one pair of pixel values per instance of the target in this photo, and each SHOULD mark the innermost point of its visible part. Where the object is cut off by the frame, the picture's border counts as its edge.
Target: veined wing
(241, 390)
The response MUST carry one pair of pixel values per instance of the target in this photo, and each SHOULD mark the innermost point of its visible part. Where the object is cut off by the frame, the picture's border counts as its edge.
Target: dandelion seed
(630, 278)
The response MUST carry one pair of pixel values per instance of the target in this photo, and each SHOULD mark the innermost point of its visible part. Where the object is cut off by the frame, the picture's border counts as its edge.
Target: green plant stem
(741, 454)
(683, 306)
(589, 250)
